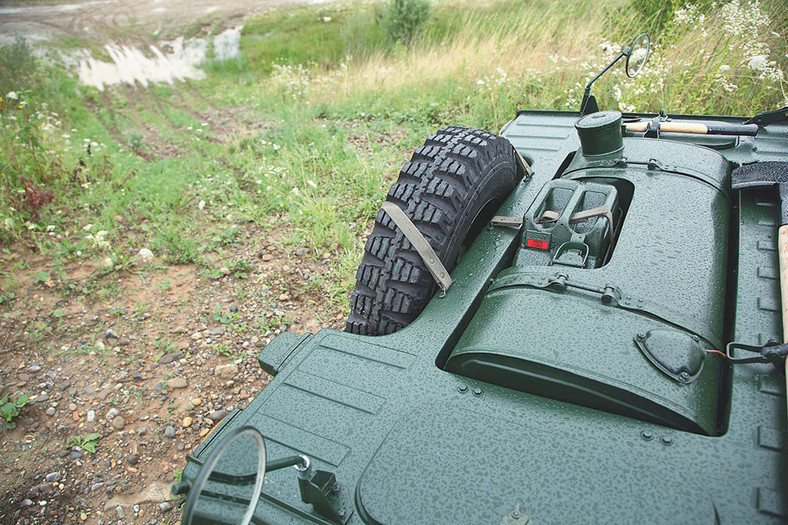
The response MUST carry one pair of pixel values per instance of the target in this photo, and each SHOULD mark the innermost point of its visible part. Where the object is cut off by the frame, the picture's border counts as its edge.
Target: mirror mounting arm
(327, 496)
(589, 105)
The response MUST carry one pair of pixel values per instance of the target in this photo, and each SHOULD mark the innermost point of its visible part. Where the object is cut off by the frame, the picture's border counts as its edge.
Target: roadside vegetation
(299, 139)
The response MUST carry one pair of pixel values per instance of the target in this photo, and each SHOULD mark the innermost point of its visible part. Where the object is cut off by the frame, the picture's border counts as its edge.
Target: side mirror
(637, 54)
(234, 472)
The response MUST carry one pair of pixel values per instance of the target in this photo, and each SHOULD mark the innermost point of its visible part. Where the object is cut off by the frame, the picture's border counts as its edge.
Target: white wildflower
(758, 63)
(311, 183)
(12, 95)
(201, 205)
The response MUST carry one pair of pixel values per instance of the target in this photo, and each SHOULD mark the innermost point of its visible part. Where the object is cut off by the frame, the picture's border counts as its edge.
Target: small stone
(284, 297)
(219, 330)
(301, 252)
(132, 459)
(110, 333)
(136, 376)
(145, 254)
(72, 407)
(177, 382)
(96, 486)
(217, 415)
(204, 432)
(77, 454)
(169, 431)
(27, 502)
(196, 402)
(112, 413)
(91, 416)
(50, 411)
(187, 422)
(53, 477)
(169, 358)
(120, 512)
(83, 516)
(64, 385)
(227, 371)
(268, 257)
(233, 309)
(165, 507)
(118, 422)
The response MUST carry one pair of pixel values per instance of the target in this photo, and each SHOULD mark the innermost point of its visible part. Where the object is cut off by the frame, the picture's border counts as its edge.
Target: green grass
(305, 133)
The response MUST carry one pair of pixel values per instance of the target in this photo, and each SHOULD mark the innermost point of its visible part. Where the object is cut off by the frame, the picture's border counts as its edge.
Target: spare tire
(450, 189)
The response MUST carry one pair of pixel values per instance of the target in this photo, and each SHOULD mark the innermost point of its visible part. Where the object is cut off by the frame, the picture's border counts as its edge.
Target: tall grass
(479, 64)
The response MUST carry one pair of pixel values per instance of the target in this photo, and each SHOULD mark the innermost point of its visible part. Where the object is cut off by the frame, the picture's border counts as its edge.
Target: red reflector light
(535, 243)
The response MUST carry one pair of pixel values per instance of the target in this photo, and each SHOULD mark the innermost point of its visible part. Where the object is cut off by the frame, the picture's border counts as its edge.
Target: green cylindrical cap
(600, 133)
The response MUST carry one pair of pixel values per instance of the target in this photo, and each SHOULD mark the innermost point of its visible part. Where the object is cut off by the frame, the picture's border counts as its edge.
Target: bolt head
(647, 435)
(462, 389)
(477, 391)
(666, 440)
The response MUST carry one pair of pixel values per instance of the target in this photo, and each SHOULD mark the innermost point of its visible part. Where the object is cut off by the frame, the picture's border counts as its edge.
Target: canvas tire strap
(417, 240)
(601, 211)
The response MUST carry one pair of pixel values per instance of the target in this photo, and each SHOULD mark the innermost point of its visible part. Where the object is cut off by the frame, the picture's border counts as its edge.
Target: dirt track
(102, 20)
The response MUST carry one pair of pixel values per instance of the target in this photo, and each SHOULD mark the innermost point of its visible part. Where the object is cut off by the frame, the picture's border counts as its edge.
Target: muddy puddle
(166, 62)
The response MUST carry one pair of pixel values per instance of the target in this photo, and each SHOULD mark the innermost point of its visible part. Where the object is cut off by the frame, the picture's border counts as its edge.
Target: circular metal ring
(210, 464)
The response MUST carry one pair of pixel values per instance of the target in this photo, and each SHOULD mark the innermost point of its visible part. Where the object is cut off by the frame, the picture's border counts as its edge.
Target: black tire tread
(437, 189)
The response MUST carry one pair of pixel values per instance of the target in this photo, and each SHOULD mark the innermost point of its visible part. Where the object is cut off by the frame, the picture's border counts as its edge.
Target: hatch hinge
(609, 295)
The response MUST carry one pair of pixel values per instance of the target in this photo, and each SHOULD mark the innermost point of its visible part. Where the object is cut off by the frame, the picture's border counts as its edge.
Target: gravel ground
(147, 370)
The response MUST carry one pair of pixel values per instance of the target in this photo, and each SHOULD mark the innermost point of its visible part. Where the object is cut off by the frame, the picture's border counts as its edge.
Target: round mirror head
(230, 482)
(638, 53)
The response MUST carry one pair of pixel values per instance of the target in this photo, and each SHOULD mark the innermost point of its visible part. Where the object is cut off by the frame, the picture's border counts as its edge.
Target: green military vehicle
(577, 321)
